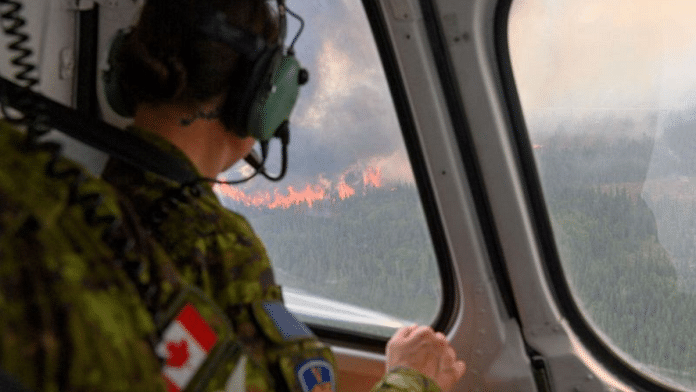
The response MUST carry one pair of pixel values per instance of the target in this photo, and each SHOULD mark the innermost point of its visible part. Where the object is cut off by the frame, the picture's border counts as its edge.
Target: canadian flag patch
(185, 345)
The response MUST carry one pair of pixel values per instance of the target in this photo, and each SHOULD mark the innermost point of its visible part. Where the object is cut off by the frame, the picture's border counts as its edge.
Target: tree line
(375, 250)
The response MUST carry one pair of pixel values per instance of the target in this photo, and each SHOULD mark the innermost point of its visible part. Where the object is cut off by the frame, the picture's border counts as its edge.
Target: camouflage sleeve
(68, 320)
(405, 380)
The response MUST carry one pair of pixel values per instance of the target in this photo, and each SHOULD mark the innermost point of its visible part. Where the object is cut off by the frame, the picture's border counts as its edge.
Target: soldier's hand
(428, 352)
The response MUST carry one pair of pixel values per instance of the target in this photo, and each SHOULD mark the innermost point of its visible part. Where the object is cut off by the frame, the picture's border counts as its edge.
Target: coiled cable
(114, 232)
(13, 25)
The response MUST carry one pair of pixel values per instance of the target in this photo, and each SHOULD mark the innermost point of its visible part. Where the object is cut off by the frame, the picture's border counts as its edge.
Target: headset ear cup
(235, 113)
(119, 102)
(276, 98)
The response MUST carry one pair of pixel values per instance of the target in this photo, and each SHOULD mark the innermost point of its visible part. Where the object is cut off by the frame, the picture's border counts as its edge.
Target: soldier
(172, 286)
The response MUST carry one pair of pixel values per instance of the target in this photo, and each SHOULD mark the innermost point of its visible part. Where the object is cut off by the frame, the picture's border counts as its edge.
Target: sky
(599, 54)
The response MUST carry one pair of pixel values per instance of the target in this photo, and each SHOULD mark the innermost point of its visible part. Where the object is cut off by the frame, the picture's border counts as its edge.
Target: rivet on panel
(401, 9)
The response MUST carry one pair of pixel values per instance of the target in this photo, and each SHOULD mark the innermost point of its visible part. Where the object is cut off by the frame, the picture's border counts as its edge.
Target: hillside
(371, 250)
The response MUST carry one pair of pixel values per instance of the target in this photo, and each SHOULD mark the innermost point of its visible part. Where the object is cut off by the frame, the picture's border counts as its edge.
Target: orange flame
(372, 176)
(344, 190)
(309, 195)
(256, 200)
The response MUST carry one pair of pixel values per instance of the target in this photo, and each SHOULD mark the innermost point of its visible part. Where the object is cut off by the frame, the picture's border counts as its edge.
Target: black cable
(297, 35)
(14, 30)
(13, 25)
(283, 133)
(252, 161)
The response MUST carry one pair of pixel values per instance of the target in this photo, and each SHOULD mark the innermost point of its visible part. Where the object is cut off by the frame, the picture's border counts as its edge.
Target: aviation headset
(273, 83)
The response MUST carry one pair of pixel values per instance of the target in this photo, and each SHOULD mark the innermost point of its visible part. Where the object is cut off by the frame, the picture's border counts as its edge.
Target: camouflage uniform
(78, 320)
(70, 319)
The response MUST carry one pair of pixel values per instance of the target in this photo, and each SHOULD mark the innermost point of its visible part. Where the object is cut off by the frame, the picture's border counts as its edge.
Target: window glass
(345, 229)
(608, 91)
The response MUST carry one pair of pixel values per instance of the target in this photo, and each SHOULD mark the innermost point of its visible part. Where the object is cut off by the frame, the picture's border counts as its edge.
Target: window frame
(450, 300)
(482, 332)
(564, 300)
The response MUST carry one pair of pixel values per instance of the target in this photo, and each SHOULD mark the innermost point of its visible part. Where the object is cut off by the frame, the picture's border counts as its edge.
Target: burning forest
(348, 185)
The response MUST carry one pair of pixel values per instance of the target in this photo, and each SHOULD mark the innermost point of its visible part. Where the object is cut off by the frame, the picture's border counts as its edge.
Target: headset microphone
(258, 162)
(254, 161)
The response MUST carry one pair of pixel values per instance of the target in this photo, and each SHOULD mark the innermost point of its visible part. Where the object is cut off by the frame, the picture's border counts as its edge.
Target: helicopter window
(345, 230)
(607, 90)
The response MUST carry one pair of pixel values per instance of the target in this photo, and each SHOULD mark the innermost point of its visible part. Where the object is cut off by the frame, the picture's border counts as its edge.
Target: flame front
(257, 199)
(309, 195)
(372, 177)
(344, 190)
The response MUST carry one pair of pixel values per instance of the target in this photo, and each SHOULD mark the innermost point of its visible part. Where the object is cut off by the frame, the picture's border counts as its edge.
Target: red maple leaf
(178, 353)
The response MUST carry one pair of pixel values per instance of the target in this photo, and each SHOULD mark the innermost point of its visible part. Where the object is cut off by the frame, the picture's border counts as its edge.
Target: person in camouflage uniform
(143, 283)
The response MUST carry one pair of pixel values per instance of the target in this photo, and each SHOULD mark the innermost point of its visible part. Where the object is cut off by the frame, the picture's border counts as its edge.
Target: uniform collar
(183, 172)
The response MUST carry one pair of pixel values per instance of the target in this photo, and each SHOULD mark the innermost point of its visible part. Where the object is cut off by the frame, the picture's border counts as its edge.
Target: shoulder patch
(316, 375)
(288, 326)
(185, 345)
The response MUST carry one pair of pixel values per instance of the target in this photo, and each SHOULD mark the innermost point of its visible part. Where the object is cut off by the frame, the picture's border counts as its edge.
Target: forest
(630, 256)
(634, 282)
(371, 250)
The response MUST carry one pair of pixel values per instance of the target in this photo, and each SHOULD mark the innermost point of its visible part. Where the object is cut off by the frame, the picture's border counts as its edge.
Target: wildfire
(344, 190)
(256, 200)
(309, 195)
(372, 177)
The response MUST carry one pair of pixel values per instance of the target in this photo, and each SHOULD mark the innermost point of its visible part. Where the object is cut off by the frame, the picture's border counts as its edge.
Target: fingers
(406, 331)
(401, 335)
(424, 337)
(451, 354)
(426, 351)
(450, 370)
(441, 340)
(421, 334)
(447, 359)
